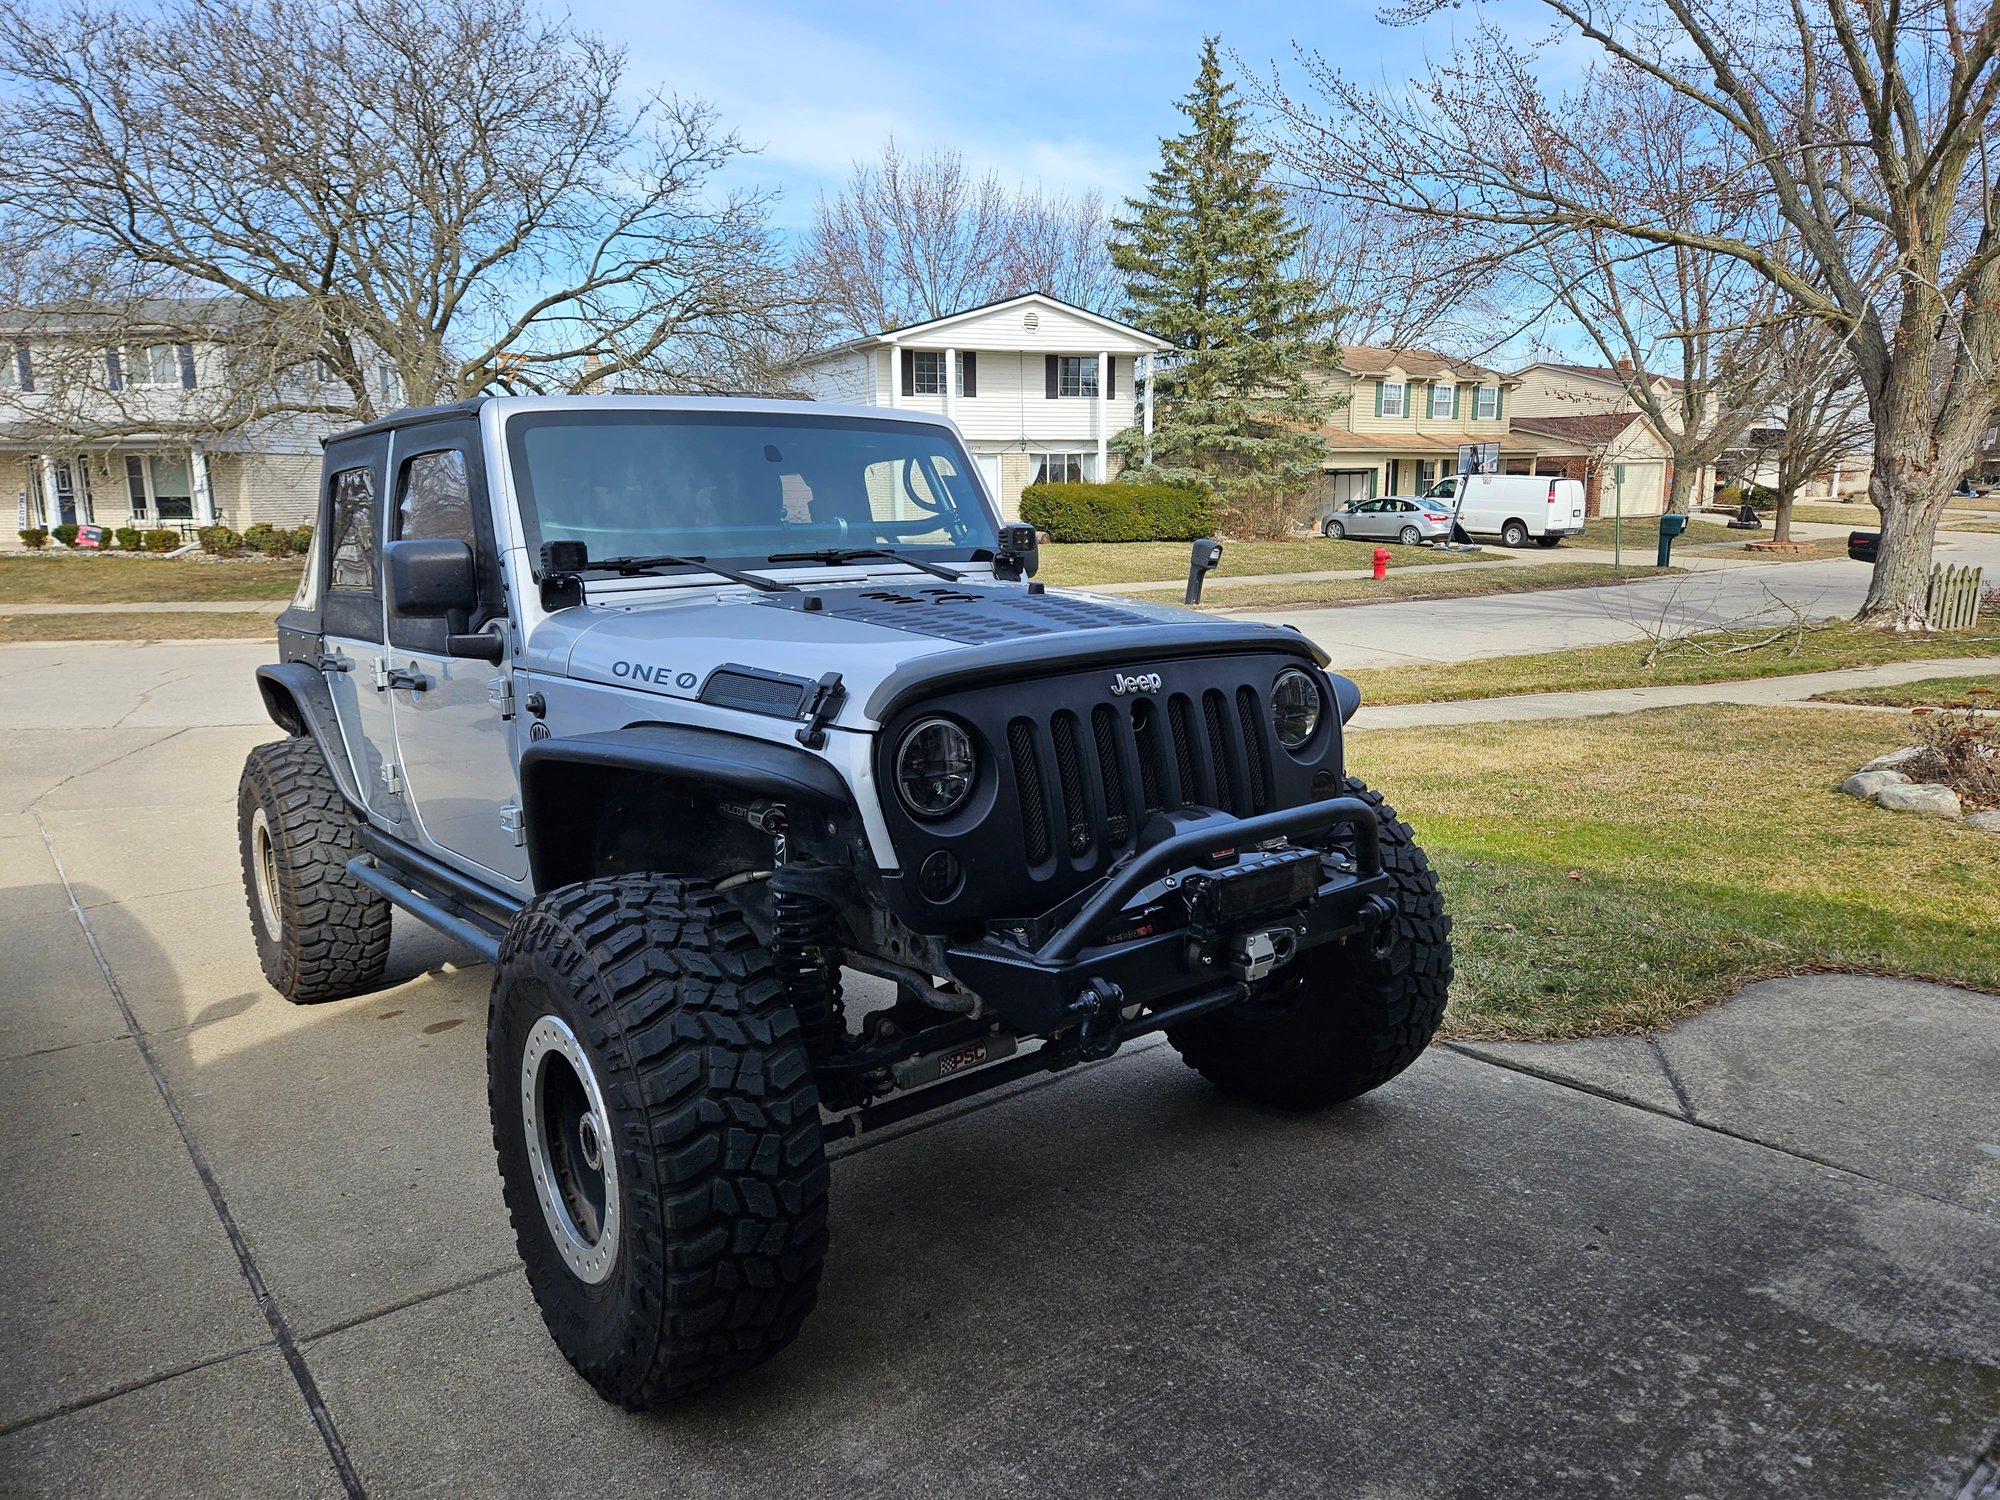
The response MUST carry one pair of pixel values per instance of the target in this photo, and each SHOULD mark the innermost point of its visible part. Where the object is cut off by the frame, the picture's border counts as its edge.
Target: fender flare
(296, 697)
(731, 765)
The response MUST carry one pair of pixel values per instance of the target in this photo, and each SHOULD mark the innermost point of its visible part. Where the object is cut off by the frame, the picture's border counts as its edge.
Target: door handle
(406, 677)
(328, 662)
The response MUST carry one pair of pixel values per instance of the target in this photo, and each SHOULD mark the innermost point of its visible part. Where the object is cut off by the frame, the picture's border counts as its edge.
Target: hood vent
(972, 616)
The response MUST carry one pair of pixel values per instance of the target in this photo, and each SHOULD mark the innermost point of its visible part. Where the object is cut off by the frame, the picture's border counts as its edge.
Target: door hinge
(513, 824)
(380, 667)
(392, 777)
(500, 693)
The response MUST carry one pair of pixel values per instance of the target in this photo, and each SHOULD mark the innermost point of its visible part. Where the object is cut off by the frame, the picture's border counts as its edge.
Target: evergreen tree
(1207, 258)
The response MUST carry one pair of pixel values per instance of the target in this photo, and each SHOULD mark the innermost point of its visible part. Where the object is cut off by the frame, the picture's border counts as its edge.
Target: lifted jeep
(673, 710)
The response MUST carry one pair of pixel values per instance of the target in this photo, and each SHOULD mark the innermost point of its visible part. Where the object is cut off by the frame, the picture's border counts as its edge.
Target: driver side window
(436, 499)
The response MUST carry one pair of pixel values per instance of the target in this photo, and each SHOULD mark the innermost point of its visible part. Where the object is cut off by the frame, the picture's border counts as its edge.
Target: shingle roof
(1596, 428)
(1596, 372)
(1425, 364)
(1342, 440)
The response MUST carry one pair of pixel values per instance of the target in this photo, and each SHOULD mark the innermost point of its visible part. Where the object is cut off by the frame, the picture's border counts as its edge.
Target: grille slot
(1146, 741)
(1069, 775)
(1028, 786)
(1104, 730)
(1217, 719)
(1253, 750)
(1183, 732)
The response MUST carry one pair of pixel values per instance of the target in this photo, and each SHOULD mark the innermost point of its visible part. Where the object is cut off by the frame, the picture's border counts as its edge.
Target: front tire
(1514, 534)
(321, 934)
(1335, 532)
(1338, 1021)
(658, 1135)
(1409, 536)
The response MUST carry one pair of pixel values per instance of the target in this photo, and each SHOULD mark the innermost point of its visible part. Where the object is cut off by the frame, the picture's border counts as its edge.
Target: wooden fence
(1953, 603)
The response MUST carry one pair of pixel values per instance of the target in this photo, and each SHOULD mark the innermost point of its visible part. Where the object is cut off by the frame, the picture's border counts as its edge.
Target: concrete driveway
(257, 1249)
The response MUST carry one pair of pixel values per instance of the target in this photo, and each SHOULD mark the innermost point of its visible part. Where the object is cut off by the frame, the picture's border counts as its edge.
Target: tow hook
(1377, 918)
(1102, 1027)
(1255, 954)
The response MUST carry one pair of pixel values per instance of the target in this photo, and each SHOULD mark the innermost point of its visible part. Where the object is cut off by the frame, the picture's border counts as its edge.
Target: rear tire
(1339, 1022)
(639, 1016)
(1335, 531)
(1514, 534)
(1548, 541)
(321, 934)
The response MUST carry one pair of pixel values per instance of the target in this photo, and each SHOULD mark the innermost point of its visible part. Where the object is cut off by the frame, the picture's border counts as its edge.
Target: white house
(1038, 387)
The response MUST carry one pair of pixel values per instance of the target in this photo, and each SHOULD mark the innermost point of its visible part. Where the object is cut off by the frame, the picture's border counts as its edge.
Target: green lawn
(1824, 648)
(1078, 564)
(1931, 692)
(1410, 584)
(143, 580)
(1601, 881)
(176, 625)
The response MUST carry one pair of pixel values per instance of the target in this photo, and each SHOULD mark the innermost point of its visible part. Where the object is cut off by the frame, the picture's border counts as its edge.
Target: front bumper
(1184, 916)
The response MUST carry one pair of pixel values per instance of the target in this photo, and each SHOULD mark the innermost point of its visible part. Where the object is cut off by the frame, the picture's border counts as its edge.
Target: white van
(1515, 507)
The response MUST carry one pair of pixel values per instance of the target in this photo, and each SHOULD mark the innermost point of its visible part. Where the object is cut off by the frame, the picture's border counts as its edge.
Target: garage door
(1645, 489)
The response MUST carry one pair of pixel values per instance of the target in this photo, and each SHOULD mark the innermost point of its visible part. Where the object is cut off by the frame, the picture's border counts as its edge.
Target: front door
(351, 618)
(454, 715)
(989, 473)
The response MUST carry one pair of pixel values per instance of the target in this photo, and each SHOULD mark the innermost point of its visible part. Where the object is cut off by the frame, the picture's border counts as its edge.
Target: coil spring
(803, 940)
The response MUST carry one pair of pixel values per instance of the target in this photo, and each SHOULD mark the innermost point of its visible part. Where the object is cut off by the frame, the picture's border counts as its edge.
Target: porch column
(1152, 360)
(204, 495)
(51, 506)
(894, 374)
(1103, 414)
(951, 383)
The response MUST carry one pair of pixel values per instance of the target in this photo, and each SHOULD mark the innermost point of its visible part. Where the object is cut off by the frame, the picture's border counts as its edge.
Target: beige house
(1037, 387)
(1618, 456)
(1562, 393)
(129, 429)
(1402, 417)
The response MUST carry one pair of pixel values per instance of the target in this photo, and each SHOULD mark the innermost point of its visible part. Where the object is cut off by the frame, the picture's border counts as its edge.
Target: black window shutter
(114, 372)
(909, 372)
(1110, 377)
(24, 367)
(969, 363)
(187, 365)
(1049, 372)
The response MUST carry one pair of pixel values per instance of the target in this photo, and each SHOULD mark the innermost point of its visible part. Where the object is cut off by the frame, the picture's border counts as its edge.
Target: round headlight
(1295, 707)
(934, 767)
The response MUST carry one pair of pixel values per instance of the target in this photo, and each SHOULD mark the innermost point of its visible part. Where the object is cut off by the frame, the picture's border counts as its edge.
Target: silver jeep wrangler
(674, 710)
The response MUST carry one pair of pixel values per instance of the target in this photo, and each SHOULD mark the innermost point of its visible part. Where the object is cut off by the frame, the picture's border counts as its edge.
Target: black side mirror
(1205, 558)
(1019, 552)
(431, 579)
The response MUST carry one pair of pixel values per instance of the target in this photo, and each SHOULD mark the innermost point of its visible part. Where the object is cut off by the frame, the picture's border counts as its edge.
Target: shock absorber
(804, 942)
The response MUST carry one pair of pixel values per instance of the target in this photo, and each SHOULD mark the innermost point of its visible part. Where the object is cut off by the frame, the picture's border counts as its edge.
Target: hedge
(1118, 512)
(66, 533)
(219, 541)
(130, 538)
(162, 540)
(35, 538)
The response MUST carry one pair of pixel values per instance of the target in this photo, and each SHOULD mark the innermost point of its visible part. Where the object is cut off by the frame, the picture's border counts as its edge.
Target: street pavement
(258, 1249)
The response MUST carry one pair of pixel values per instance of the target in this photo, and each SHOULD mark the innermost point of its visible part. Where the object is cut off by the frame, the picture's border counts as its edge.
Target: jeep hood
(888, 640)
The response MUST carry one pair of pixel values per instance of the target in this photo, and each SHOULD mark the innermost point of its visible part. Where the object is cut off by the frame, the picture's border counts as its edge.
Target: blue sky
(1070, 96)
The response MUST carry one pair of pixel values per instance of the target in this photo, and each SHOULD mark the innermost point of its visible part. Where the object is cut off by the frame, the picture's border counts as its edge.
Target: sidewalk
(1767, 691)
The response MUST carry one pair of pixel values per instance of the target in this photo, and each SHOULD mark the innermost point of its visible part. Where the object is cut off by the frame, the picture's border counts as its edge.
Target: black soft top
(408, 416)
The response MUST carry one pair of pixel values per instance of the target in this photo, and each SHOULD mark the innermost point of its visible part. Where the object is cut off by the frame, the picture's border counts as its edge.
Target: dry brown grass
(176, 625)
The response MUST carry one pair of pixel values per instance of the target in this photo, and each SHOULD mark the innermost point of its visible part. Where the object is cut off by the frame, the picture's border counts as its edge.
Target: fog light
(939, 876)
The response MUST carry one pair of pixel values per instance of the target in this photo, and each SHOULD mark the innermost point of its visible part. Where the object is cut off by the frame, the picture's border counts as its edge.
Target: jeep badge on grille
(1145, 682)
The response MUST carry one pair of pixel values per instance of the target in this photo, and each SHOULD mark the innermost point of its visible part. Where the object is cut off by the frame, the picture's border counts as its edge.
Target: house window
(1065, 468)
(927, 373)
(1076, 375)
(14, 368)
(153, 365)
(387, 386)
(1393, 395)
(1443, 399)
(1486, 405)
(162, 484)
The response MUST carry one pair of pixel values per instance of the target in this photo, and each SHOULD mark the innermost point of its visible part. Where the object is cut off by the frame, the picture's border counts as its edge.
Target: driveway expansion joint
(266, 1304)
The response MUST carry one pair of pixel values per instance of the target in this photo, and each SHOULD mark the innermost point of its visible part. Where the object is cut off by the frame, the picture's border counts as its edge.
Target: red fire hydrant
(1381, 562)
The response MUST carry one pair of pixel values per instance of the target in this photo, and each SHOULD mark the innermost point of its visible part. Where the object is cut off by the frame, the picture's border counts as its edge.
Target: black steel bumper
(1164, 927)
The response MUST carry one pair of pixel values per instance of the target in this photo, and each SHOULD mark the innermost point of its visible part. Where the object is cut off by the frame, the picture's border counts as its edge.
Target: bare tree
(909, 239)
(1814, 415)
(454, 188)
(1393, 281)
(1863, 125)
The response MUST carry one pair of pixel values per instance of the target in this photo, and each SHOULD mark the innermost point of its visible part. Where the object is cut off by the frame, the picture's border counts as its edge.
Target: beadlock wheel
(264, 867)
(569, 1149)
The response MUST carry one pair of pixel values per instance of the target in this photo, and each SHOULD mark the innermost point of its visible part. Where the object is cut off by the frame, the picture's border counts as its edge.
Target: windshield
(737, 487)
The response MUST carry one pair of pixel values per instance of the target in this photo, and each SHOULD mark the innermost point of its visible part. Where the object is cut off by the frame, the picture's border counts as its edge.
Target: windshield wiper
(628, 567)
(834, 556)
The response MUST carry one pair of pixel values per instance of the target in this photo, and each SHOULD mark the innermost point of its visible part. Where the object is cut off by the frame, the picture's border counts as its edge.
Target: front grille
(1089, 796)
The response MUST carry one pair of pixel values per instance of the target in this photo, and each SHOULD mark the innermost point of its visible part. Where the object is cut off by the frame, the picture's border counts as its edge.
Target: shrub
(34, 538)
(302, 539)
(161, 540)
(262, 536)
(131, 538)
(66, 533)
(1959, 745)
(1118, 512)
(220, 541)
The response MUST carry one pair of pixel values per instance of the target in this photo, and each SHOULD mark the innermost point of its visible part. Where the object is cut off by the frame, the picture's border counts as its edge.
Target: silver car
(1394, 518)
